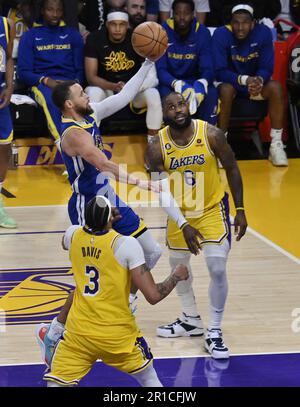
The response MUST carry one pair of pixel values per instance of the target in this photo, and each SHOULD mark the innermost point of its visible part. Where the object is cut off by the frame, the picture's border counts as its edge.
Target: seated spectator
(244, 61)
(220, 10)
(23, 17)
(110, 62)
(201, 6)
(136, 10)
(187, 66)
(50, 53)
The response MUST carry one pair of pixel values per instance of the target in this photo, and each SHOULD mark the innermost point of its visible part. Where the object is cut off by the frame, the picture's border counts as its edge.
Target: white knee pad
(180, 257)
(152, 249)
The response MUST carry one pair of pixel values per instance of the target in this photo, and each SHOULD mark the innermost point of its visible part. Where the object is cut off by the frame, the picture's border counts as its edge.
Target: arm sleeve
(169, 204)
(205, 60)
(129, 252)
(112, 104)
(220, 57)
(266, 56)
(77, 48)
(26, 61)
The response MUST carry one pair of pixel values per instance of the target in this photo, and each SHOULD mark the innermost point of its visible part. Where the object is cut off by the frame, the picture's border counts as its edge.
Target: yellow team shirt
(100, 307)
(193, 171)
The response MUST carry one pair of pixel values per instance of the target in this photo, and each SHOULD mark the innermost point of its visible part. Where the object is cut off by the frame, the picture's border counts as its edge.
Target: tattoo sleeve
(167, 286)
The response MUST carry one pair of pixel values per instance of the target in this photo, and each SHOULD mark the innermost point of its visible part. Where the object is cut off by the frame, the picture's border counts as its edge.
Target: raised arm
(223, 151)
(114, 103)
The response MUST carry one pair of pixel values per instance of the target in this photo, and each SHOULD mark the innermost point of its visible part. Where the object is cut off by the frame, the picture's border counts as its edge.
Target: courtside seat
(245, 117)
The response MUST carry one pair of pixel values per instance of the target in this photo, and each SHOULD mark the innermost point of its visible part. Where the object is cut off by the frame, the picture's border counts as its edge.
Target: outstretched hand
(240, 224)
(192, 238)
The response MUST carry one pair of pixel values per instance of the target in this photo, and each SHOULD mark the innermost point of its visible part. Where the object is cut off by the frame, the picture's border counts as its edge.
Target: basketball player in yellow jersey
(187, 150)
(100, 324)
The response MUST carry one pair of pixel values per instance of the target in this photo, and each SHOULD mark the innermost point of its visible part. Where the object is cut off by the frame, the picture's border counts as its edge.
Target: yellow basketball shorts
(214, 226)
(75, 355)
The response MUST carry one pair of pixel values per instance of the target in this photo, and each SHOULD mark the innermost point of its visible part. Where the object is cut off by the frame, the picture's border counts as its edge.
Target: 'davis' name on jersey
(90, 252)
(189, 160)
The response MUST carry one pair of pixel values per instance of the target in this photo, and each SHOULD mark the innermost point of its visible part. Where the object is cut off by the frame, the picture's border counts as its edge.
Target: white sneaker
(184, 326)
(277, 155)
(214, 344)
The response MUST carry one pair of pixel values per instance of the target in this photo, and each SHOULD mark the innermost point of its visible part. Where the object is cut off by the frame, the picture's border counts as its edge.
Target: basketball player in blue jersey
(6, 127)
(186, 151)
(82, 151)
(104, 262)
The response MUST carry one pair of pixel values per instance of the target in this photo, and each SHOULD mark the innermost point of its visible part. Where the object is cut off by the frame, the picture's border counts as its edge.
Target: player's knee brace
(153, 257)
(152, 249)
(178, 257)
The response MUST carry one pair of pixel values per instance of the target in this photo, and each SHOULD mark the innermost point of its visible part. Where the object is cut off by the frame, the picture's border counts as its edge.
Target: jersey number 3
(93, 286)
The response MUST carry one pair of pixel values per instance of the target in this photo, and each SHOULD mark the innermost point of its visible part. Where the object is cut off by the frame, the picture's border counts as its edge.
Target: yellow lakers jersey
(193, 171)
(17, 18)
(100, 307)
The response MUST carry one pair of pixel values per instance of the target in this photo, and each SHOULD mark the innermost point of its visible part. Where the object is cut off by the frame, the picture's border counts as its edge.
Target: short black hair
(97, 213)
(61, 93)
(164, 99)
(188, 2)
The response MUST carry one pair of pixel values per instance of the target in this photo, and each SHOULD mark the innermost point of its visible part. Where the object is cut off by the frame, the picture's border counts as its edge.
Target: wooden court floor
(263, 269)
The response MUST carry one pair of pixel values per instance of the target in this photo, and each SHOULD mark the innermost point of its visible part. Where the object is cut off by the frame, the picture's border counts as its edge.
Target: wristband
(240, 208)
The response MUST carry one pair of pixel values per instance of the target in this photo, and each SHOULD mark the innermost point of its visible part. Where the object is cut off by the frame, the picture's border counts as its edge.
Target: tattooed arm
(155, 292)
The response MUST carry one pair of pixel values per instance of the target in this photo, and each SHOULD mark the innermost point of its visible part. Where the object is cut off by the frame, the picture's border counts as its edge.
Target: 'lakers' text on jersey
(193, 171)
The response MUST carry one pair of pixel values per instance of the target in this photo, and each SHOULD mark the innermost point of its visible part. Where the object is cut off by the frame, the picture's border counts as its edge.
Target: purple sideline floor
(271, 370)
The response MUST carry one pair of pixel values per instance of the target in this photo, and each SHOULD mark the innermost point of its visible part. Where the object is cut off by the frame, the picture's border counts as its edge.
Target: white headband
(117, 15)
(107, 203)
(243, 7)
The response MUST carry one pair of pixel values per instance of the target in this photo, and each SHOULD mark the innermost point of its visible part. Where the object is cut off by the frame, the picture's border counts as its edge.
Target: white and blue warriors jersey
(4, 38)
(84, 178)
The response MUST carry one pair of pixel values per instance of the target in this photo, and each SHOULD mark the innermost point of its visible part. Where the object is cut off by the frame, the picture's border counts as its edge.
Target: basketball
(149, 40)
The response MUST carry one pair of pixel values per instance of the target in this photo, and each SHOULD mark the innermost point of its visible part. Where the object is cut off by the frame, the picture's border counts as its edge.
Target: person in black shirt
(110, 61)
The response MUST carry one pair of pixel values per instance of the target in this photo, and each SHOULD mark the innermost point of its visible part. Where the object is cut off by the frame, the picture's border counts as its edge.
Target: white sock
(276, 135)
(188, 301)
(56, 330)
(215, 317)
(148, 377)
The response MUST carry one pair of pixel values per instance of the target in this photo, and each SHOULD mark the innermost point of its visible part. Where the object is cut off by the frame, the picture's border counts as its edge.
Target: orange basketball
(149, 40)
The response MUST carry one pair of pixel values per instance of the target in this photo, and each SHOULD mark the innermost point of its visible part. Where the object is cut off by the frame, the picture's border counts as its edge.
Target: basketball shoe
(214, 344)
(47, 346)
(5, 220)
(184, 326)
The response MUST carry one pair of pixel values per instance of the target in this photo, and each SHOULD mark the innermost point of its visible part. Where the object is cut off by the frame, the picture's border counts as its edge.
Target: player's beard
(84, 111)
(173, 124)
